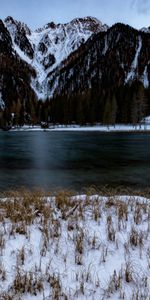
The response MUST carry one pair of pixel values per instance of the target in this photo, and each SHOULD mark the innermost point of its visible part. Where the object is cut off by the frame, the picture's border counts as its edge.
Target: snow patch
(145, 78)
(2, 104)
(133, 71)
(106, 46)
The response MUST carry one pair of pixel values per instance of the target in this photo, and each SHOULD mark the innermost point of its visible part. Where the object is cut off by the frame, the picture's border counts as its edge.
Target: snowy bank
(101, 128)
(82, 247)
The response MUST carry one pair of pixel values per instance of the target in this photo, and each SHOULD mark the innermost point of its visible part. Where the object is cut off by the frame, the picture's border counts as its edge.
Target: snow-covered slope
(45, 48)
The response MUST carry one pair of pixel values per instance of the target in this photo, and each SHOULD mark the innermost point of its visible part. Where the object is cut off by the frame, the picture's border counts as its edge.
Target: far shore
(142, 128)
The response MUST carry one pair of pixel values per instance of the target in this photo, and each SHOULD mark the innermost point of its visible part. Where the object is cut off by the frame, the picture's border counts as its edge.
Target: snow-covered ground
(102, 128)
(82, 247)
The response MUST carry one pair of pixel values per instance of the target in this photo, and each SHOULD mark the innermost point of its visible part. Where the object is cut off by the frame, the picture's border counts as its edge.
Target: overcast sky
(37, 13)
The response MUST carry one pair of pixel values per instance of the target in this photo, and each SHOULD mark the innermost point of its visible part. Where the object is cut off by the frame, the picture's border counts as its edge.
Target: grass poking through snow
(74, 247)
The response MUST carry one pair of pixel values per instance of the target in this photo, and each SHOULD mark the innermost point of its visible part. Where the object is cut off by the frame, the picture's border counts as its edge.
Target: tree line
(125, 104)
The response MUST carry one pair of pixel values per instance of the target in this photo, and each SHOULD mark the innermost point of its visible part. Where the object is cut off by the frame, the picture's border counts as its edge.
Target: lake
(73, 160)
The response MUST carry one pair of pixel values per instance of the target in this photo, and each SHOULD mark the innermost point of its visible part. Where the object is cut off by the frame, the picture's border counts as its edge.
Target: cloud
(142, 6)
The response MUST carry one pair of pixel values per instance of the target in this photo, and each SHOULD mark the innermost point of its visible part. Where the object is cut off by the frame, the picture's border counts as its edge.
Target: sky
(37, 13)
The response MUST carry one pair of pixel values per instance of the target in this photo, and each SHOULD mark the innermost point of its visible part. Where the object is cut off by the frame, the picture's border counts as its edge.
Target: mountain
(45, 48)
(82, 66)
(118, 56)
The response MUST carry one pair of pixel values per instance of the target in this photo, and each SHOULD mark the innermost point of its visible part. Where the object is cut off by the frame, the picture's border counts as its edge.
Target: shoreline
(76, 128)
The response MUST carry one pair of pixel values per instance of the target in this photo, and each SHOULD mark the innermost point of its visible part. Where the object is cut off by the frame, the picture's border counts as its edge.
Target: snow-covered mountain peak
(50, 25)
(14, 25)
(45, 48)
(146, 29)
(90, 23)
(9, 19)
(11, 25)
(19, 32)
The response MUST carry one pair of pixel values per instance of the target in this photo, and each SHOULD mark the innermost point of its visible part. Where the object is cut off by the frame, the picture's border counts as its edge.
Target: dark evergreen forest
(126, 104)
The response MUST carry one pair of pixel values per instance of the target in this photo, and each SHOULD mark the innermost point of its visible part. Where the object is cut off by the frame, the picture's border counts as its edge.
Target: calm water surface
(73, 160)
